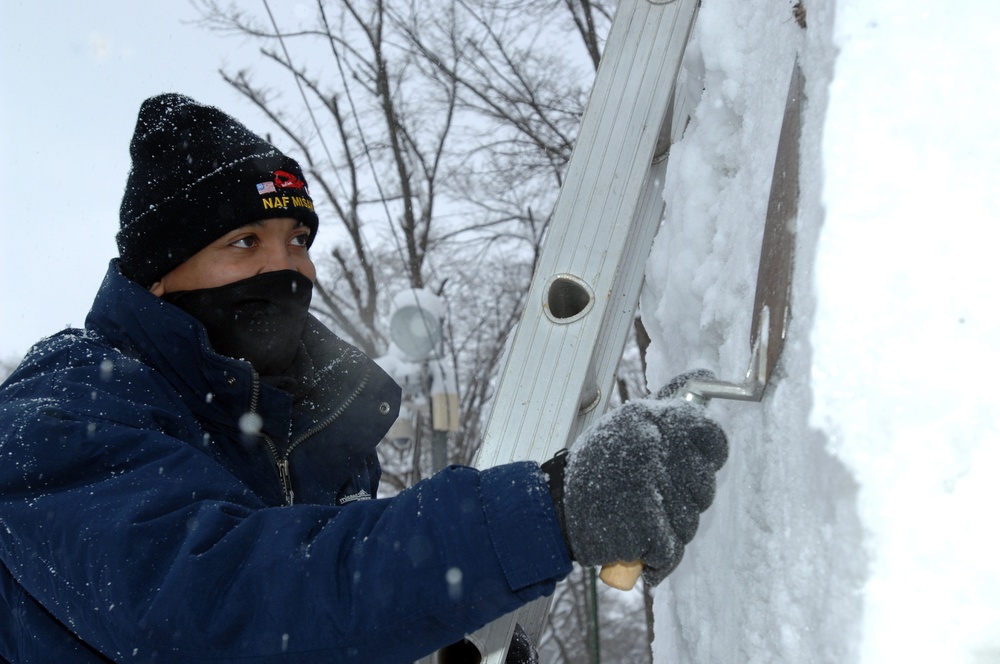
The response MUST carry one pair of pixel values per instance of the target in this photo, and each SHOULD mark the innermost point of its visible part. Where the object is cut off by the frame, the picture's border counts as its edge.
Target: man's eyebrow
(256, 223)
(260, 223)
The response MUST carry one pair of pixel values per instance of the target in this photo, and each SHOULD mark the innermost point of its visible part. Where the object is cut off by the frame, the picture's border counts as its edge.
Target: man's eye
(301, 240)
(246, 242)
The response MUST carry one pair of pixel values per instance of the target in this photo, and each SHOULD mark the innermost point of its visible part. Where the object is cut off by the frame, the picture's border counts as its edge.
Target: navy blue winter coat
(139, 522)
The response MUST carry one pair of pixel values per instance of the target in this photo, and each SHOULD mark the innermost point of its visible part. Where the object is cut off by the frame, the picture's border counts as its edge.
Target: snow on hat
(196, 175)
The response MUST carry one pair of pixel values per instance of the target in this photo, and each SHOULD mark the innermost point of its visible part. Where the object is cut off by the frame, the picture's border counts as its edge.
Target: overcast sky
(73, 77)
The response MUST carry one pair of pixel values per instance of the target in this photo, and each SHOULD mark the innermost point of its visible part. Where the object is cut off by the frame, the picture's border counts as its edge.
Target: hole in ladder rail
(568, 298)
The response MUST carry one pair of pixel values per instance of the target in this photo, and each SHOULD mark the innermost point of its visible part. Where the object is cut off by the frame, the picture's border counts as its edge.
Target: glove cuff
(555, 477)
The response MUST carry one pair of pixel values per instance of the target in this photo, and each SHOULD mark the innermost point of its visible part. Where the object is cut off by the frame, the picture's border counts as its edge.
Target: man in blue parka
(192, 477)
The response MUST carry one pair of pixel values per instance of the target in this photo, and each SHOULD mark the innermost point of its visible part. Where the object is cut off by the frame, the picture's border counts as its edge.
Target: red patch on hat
(286, 180)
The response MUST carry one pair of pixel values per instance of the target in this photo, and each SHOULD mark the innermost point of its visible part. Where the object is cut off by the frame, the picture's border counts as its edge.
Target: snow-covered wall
(854, 521)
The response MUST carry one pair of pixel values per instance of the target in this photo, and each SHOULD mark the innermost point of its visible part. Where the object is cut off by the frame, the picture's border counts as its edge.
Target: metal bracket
(699, 390)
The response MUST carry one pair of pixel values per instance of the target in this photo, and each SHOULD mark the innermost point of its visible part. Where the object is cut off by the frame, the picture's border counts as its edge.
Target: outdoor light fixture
(415, 324)
(416, 328)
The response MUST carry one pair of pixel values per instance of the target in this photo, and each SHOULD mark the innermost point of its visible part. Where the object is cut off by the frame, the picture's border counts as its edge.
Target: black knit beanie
(196, 175)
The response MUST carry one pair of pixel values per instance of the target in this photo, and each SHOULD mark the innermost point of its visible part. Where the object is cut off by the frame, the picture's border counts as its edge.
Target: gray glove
(635, 483)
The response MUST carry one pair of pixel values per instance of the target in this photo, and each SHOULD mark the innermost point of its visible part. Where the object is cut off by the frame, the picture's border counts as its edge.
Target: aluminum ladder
(581, 305)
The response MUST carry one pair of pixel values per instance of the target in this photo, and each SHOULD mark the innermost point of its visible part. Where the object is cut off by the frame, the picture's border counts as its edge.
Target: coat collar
(166, 338)
(215, 387)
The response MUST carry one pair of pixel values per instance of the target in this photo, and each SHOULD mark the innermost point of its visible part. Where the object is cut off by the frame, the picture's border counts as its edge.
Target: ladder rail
(581, 304)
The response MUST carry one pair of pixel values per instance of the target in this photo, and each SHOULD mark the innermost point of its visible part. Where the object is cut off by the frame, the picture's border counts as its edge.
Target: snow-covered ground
(855, 520)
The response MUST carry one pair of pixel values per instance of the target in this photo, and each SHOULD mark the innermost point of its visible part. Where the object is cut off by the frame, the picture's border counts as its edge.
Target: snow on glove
(636, 482)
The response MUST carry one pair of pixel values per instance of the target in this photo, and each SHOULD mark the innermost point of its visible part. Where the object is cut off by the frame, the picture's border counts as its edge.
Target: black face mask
(259, 319)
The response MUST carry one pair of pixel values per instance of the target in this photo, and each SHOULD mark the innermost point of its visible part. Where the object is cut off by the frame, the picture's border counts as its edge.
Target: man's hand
(636, 482)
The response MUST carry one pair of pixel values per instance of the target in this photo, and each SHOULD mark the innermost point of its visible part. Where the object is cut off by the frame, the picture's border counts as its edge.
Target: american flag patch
(265, 188)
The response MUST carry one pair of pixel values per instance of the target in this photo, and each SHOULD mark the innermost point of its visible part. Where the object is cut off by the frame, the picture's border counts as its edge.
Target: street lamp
(415, 325)
(416, 328)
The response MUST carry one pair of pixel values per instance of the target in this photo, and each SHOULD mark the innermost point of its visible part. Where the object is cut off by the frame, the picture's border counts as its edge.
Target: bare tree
(573, 637)
(435, 136)
(437, 139)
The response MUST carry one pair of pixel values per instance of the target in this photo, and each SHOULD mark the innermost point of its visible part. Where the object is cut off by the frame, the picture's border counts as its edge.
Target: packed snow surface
(854, 521)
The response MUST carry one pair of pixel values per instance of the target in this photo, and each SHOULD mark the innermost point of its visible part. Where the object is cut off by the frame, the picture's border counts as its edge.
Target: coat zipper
(281, 462)
(284, 476)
